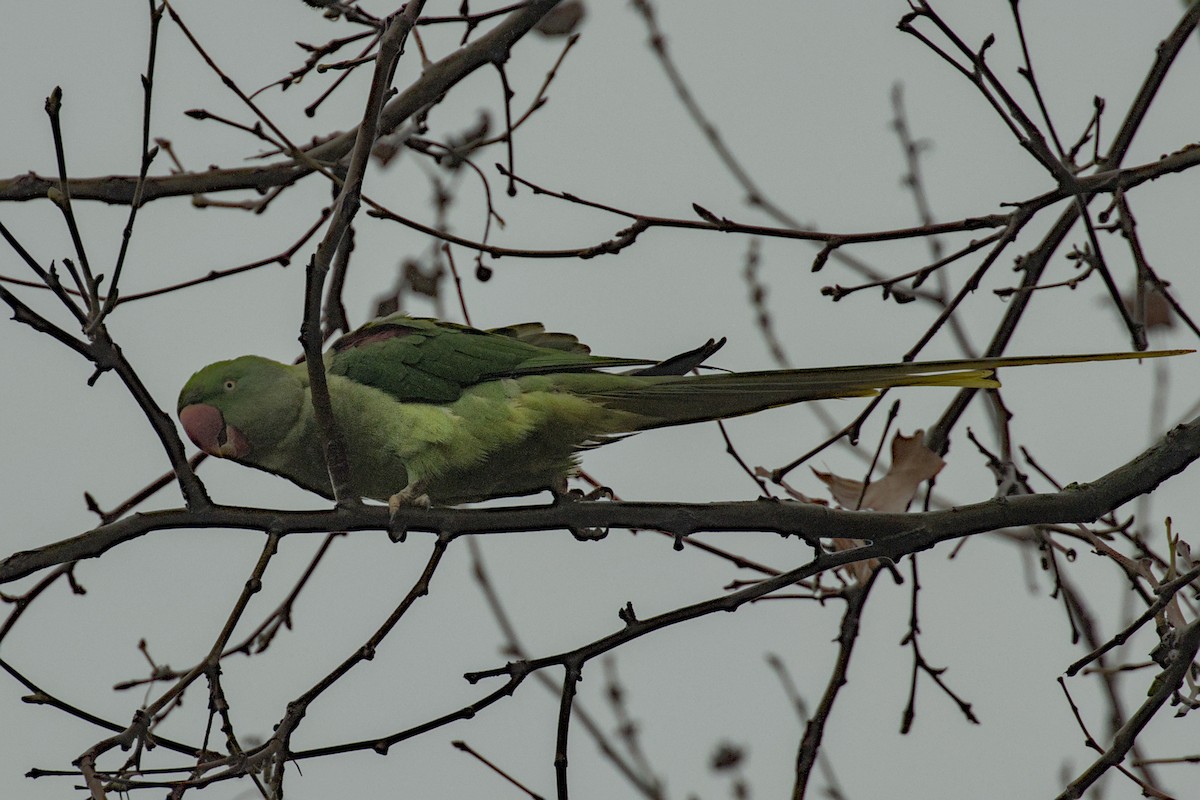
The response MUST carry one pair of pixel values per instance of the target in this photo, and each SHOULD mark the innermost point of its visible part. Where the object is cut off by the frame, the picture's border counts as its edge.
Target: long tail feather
(674, 400)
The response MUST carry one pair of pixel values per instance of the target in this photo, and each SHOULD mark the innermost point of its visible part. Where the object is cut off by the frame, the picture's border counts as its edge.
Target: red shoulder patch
(372, 334)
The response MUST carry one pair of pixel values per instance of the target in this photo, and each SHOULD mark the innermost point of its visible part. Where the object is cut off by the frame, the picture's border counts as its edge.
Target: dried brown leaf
(912, 464)
(1159, 313)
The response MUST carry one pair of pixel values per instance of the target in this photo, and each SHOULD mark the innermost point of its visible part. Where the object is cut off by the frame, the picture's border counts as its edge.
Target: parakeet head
(233, 409)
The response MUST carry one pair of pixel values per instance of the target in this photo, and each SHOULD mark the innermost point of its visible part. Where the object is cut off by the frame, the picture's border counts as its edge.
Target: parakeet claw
(589, 534)
(579, 495)
(411, 496)
(564, 495)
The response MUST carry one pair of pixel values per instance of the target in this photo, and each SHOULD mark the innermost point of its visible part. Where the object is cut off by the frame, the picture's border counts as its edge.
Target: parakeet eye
(230, 385)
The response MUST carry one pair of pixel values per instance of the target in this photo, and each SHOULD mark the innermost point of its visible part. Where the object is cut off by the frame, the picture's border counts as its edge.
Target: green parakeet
(454, 414)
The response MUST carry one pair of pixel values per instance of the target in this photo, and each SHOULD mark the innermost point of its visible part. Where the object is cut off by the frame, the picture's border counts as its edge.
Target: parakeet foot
(563, 494)
(411, 496)
(599, 493)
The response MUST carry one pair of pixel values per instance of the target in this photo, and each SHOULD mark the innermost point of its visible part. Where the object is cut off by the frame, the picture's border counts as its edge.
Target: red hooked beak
(206, 427)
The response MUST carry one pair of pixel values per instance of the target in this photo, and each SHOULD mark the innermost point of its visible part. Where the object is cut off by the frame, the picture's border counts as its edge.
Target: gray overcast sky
(800, 91)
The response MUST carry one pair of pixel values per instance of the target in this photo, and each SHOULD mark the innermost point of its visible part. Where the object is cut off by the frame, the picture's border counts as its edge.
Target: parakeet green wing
(429, 361)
